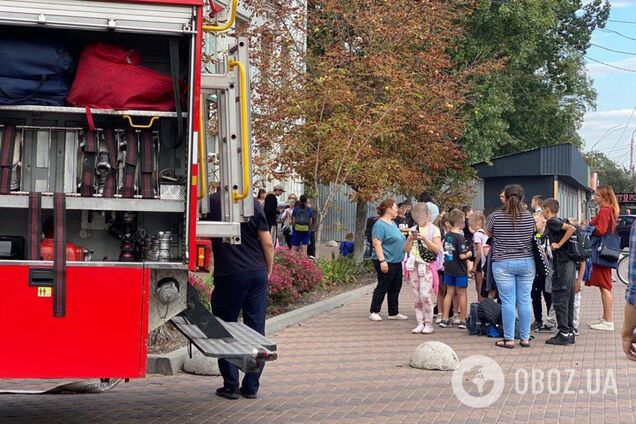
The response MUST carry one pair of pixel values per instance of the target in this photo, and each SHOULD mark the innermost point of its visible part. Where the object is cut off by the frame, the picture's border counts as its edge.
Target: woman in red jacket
(605, 222)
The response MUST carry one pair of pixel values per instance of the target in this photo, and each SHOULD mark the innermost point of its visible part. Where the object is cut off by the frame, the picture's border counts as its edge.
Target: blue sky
(609, 128)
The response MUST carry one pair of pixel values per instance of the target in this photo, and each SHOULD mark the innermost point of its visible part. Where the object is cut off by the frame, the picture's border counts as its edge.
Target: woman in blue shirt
(387, 256)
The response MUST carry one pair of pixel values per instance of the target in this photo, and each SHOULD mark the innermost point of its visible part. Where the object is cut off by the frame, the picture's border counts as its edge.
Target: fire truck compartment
(48, 155)
(94, 340)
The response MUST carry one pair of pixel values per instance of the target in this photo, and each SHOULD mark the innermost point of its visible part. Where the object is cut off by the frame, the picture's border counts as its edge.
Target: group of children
(441, 257)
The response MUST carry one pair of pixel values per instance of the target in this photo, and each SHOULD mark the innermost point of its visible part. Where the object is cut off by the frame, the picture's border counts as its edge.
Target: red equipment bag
(112, 77)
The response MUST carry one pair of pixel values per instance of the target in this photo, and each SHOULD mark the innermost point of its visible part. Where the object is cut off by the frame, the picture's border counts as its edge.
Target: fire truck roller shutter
(98, 15)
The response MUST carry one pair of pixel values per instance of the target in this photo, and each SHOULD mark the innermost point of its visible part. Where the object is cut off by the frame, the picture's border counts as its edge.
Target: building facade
(557, 171)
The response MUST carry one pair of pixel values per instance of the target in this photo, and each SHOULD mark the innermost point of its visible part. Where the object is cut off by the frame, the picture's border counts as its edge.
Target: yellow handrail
(140, 127)
(245, 145)
(203, 161)
(226, 25)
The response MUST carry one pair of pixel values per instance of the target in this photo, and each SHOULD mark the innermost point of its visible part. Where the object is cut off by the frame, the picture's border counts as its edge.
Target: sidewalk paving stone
(339, 367)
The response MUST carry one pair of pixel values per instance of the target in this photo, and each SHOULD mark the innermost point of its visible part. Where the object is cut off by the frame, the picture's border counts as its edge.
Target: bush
(204, 286)
(338, 270)
(292, 275)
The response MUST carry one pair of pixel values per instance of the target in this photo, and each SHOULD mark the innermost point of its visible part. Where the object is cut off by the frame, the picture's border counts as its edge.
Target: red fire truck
(100, 202)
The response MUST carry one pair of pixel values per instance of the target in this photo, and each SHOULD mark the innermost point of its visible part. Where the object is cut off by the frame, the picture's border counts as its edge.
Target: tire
(622, 272)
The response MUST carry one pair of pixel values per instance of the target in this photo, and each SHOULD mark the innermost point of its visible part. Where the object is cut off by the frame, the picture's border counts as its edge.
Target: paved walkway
(340, 367)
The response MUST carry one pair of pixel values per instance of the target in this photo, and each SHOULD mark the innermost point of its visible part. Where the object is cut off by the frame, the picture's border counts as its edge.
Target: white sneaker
(439, 319)
(398, 316)
(457, 321)
(604, 326)
(375, 317)
(428, 329)
(597, 321)
(418, 329)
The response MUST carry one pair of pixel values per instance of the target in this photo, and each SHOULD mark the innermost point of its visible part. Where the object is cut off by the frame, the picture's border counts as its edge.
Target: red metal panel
(103, 334)
(195, 127)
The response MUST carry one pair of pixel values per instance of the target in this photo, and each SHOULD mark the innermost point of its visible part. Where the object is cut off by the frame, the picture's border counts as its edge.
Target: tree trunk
(361, 222)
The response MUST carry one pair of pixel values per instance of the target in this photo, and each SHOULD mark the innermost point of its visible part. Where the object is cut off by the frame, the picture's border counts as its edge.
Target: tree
(377, 104)
(540, 91)
(609, 172)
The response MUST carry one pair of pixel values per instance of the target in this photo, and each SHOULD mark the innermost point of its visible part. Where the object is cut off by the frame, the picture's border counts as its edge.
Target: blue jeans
(514, 279)
(248, 292)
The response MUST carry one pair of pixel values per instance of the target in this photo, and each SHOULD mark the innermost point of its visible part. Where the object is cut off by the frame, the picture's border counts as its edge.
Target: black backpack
(489, 311)
(579, 246)
(474, 325)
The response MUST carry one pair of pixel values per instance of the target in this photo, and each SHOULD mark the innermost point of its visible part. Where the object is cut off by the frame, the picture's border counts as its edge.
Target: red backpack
(112, 77)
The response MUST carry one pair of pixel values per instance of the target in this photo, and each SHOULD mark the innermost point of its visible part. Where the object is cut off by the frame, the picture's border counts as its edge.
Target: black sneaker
(536, 325)
(247, 395)
(545, 329)
(227, 393)
(446, 323)
(560, 339)
(462, 325)
(572, 338)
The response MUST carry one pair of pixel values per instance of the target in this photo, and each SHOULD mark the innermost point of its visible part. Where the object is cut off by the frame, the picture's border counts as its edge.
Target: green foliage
(609, 172)
(540, 91)
(338, 270)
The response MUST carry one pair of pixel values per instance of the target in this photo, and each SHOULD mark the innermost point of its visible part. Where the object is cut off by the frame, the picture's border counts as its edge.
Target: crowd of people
(298, 220)
(518, 257)
(440, 255)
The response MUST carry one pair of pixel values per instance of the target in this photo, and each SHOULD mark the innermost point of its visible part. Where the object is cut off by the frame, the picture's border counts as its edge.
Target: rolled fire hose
(84, 387)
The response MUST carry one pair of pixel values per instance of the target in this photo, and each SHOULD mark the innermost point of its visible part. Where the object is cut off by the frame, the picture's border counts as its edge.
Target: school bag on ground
(489, 311)
(301, 220)
(474, 325)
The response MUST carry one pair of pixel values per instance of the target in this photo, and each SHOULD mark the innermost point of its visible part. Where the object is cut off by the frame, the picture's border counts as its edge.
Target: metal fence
(341, 216)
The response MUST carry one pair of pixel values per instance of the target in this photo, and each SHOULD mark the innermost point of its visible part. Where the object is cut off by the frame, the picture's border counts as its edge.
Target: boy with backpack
(563, 287)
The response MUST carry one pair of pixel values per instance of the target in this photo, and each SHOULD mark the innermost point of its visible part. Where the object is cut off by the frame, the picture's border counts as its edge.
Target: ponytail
(513, 205)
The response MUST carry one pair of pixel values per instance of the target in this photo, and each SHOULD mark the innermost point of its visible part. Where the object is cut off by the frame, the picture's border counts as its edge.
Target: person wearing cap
(271, 209)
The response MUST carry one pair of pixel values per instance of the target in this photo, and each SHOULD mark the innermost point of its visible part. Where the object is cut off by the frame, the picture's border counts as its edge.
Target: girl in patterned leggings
(422, 246)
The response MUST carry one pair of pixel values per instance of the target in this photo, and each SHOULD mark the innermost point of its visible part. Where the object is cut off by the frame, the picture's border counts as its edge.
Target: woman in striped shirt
(512, 229)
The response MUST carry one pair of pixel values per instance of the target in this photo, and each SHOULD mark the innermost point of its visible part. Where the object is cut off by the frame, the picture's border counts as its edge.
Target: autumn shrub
(204, 286)
(292, 275)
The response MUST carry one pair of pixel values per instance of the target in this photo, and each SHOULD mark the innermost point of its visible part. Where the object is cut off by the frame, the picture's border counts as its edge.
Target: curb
(280, 322)
(166, 363)
(172, 363)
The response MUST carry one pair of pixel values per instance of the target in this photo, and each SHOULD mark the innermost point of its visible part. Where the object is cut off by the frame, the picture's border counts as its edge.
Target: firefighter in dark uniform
(241, 274)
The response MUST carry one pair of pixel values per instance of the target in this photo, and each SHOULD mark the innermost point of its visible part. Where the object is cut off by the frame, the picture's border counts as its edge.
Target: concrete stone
(200, 364)
(434, 356)
(332, 243)
(167, 363)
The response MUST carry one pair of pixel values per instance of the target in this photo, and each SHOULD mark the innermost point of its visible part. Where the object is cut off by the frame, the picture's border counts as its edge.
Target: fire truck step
(219, 339)
(242, 342)
(245, 333)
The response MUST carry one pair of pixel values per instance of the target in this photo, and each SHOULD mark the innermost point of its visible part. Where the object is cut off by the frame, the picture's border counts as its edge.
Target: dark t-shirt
(271, 209)
(367, 232)
(454, 245)
(555, 232)
(231, 259)
(400, 220)
(467, 234)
